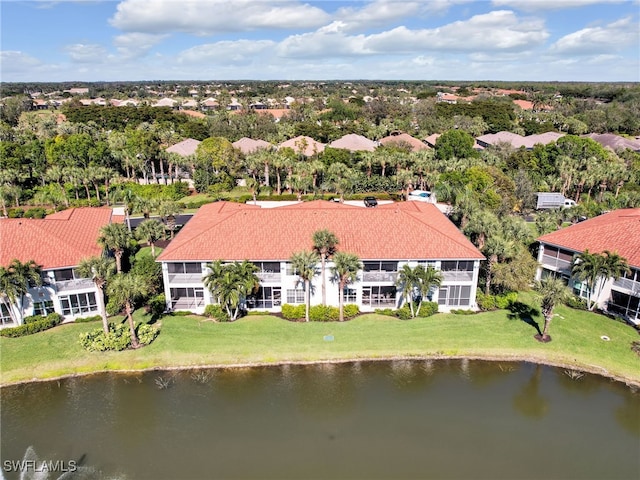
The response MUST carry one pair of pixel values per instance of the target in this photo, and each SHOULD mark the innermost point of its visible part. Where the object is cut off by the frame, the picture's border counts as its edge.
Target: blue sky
(541, 40)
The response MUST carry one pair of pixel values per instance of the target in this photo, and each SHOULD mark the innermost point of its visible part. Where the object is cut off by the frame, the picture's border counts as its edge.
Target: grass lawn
(195, 341)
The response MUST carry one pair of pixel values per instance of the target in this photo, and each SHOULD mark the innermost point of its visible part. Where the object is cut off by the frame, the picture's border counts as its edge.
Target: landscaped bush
(93, 318)
(32, 318)
(15, 213)
(44, 323)
(157, 305)
(216, 312)
(37, 212)
(318, 313)
(426, 310)
(463, 312)
(576, 302)
(118, 338)
(181, 313)
(496, 302)
(292, 312)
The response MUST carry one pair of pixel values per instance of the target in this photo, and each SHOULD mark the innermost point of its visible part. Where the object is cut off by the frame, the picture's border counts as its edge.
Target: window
(63, 275)
(376, 296)
(268, 267)
(5, 317)
(43, 308)
(187, 267)
(581, 289)
(79, 303)
(380, 266)
(457, 266)
(349, 295)
(295, 296)
(186, 298)
(266, 297)
(455, 296)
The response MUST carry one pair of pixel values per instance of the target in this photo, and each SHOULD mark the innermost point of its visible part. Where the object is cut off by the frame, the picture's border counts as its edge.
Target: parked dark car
(370, 202)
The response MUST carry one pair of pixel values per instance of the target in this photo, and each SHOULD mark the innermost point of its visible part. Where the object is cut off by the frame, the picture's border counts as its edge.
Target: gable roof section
(354, 143)
(408, 230)
(249, 145)
(617, 231)
(185, 148)
(311, 146)
(59, 240)
(404, 138)
(615, 142)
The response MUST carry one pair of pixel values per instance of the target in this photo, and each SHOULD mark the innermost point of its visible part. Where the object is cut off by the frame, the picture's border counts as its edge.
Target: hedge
(45, 323)
(319, 313)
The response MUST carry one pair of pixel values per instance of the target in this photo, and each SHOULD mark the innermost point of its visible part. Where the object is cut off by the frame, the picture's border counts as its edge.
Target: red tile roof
(406, 139)
(408, 230)
(59, 240)
(617, 231)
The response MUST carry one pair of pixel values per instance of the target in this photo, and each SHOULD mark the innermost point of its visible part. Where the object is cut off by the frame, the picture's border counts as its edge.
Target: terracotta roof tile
(249, 145)
(405, 138)
(617, 231)
(185, 147)
(408, 230)
(59, 240)
(311, 146)
(354, 143)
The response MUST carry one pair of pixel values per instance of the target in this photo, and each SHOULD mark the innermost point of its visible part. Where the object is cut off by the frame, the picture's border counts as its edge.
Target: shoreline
(591, 369)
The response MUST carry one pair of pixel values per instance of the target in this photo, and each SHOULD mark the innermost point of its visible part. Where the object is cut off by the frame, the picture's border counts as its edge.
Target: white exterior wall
(291, 282)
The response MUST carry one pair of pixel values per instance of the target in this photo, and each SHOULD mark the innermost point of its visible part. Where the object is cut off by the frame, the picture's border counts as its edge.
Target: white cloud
(226, 52)
(86, 53)
(536, 5)
(16, 61)
(494, 31)
(613, 37)
(134, 45)
(208, 17)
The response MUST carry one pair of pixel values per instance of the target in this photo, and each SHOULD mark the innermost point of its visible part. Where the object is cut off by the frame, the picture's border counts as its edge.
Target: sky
(134, 40)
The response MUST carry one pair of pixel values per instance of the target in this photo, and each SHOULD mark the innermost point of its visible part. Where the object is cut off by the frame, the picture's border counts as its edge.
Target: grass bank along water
(255, 340)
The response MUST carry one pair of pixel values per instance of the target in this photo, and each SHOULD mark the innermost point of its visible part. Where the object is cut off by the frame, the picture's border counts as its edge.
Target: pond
(394, 420)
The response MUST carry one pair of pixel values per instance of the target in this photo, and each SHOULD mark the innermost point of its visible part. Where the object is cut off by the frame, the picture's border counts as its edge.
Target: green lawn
(194, 341)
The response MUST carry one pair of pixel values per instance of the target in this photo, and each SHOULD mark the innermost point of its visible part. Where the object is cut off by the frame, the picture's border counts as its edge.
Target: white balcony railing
(185, 278)
(76, 284)
(627, 284)
(269, 276)
(389, 277)
(556, 264)
(457, 276)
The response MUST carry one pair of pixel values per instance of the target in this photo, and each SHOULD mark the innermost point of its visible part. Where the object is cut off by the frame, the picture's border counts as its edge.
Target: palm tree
(497, 248)
(169, 210)
(346, 267)
(428, 278)
(595, 269)
(553, 292)
(408, 282)
(99, 269)
(124, 289)
(481, 224)
(150, 231)
(305, 265)
(231, 283)
(145, 205)
(15, 281)
(115, 237)
(324, 243)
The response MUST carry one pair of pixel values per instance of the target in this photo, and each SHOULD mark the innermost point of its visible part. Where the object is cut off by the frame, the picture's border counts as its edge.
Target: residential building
(617, 231)
(354, 143)
(57, 243)
(303, 145)
(384, 238)
(401, 139)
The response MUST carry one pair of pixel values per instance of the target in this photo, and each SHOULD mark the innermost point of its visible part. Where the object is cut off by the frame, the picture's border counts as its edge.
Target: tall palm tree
(481, 224)
(145, 206)
(115, 237)
(553, 292)
(346, 267)
(99, 269)
(305, 265)
(497, 248)
(124, 289)
(324, 244)
(408, 282)
(15, 281)
(169, 210)
(150, 231)
(231, 283)
(587, 267)
(428, 278)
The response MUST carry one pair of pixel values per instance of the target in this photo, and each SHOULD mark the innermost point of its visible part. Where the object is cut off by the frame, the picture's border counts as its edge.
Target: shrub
(351, 310)
(113, 308)
(505, 300)
(428, 308)
(93, 318)
(463, 312)
(32, 318)
(216, 312)
(293, 312)
(577, 303)
(386, 311)
(44, 323)
(181, 313)
(157, 305)
(118, 338)
(37, 212)
(493, 302)
(15, 213)
(324, 313)
(404, 313)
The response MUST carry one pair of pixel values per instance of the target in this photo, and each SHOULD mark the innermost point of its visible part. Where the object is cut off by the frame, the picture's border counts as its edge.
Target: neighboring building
(617, 231)
(249, 145)
(354, 143)
(404, 139)
(517, 141)
(303, 145)
(57, 243)
(615, 142)
(185, 148)
(385, 238)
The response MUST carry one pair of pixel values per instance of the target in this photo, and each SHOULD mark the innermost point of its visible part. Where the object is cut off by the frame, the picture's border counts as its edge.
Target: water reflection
(528, 400)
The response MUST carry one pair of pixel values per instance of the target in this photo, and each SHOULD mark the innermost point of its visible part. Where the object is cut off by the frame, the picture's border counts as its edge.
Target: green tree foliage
(231, 283)
(123, 290)
(150, 231)
(15, 280)
(345, 269)
(553, 292)
(116, 238)
(325, 243)
(99, 269)
(305, 265)
(455, 144)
